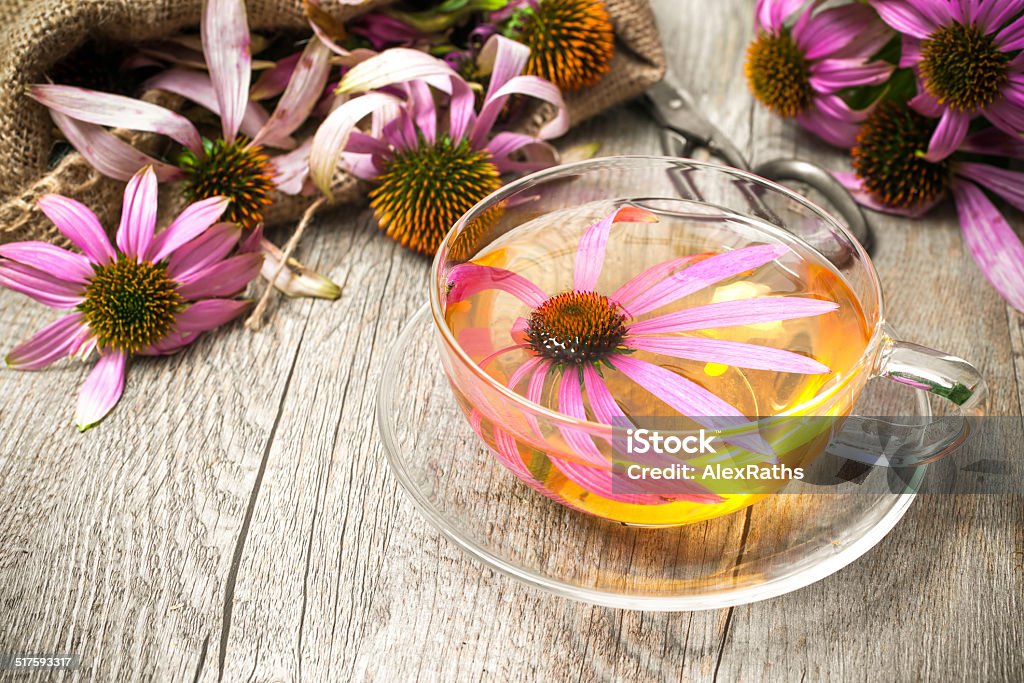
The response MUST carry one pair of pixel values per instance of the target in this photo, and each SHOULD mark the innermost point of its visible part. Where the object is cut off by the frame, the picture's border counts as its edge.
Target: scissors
(684, 130)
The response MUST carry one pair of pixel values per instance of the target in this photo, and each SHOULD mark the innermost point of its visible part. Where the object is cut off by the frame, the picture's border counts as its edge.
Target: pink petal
(117, 111)
(524, 370)
(704, 274)
(903, 17)
(531, 86)
(80, 225)
(736, 354)
(396, 65)
(535, 388)
(303, 92)
(591, 248)
(467, 279)
(996, 142)
(172, 343)
(537, 154)
(291, 170)
(362, 166)
(520, 327)
(423, 109)
(189, 224)
(138, 215)
(507, 451)
(332, 136)
(198, 88)
(1012, 37)
(691, 400)
(1006, 183)
(910, 55)
(225, 33)
(39, 285)
(646, 279)
(224, 279)
(58, 339)
(274, 80)
(992, 15)
(107, 153)
(570, 402)
(948, 136)
(503, 59)
(924, 103)
(733, 313)
(50, 259)
(602, 403)
(102, 389)
(772, 14)
(853, 184)
(845, 31)
(838, 132)
(211, 246)
(995, 246)
(207, 314)
(832, 75)
(461, 110)
(1006, 116)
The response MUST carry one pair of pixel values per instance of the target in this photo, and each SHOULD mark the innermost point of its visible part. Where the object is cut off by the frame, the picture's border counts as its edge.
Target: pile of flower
(928, 96)
(423, 100)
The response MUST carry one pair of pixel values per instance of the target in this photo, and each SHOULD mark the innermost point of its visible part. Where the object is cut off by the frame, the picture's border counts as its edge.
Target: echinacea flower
(802, 60)
(425, 173)
(238, 163)
(968, 60)
(892, 174)
(571, 42)
(151, 294)
(575, 337)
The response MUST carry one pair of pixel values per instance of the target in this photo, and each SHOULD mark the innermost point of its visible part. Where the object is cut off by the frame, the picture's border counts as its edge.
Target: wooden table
(234, 520)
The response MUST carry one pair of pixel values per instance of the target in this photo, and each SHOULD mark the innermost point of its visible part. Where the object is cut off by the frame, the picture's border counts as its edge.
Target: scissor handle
(821, 180)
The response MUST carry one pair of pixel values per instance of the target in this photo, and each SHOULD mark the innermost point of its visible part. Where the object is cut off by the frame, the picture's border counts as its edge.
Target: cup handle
(893, 443)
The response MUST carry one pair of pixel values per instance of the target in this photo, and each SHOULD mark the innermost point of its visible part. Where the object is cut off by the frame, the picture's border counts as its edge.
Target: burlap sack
(40, 34)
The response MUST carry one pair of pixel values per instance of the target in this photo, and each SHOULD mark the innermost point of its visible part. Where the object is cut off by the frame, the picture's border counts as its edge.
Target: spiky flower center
(422, 191)
(130, 305)
(236, 170)
(571, 41)
(576, 328)
(888, 158)
(778, 73)
(963, 68)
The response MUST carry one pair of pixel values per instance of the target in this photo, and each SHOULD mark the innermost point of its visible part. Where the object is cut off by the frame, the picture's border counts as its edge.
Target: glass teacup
(793, 330)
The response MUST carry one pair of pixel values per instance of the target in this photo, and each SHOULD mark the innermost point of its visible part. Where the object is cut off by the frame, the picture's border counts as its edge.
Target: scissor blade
(675, 110)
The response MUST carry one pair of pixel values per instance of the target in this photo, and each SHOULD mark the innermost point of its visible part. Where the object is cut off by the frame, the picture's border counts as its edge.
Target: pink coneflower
(152, 294)
(891, 174)
(427, 174)
(578, 331)
(968, 60)
(802, 59)
(238, 164)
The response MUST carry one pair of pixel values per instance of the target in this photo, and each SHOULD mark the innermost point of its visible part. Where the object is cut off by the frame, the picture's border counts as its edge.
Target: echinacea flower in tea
(428, 162)
(151, 294)
(968, 61)
(572, 339)
(893, 174)
(804, 57)
(237, 164)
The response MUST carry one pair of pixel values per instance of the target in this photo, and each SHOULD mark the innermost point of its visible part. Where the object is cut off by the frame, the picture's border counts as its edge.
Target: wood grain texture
(235, 520)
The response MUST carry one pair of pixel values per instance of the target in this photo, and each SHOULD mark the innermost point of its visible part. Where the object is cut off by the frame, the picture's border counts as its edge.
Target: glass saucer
(780, 544)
